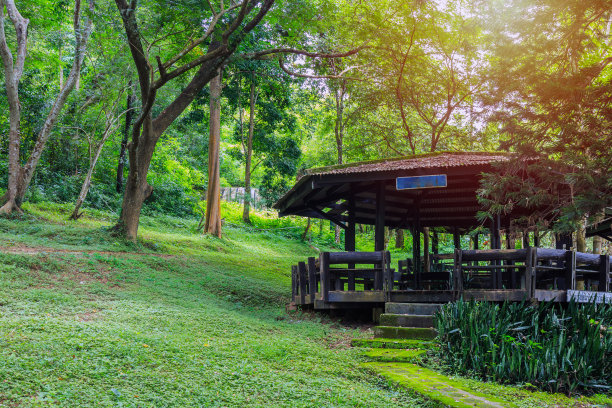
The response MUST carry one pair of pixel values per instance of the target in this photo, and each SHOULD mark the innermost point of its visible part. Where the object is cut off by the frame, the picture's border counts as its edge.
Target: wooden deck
(356, 280)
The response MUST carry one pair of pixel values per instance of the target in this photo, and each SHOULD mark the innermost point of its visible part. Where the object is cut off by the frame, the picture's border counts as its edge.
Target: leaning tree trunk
(87, 182)
(249, 158)
(20, 177)
(213, 194)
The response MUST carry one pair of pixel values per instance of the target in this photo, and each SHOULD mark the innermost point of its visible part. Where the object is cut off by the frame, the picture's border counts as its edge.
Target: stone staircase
(407, 321)
(400, 343)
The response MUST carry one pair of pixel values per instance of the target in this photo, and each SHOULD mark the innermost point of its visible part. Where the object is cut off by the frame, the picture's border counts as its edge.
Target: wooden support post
(378, 276)
(475, 241)
(338, 284)
(293, 282)
(604, 274)
(349, 241)
(458, 273)
(564, 241)
(312, 278)
(349, 234)
(379, 231)
(325, 281)
(426, 265)
(416, 255)
(570, 270)
(530, 263)
(302, 280)
(526, 243)
(511, 244)
(536, 239)
(387, 275)
(456, 238)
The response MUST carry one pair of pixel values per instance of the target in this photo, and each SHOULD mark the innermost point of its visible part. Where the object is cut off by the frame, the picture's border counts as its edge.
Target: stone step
(412, 308)
(393, 344)
(398, 356)
(405, 320)
(416, 333)
(442, 389)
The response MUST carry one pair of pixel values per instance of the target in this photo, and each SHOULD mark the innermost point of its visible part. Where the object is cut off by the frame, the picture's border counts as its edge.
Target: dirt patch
(89, 316)
(27, 250)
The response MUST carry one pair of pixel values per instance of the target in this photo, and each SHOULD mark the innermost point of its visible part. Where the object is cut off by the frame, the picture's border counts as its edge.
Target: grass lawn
(178, 319)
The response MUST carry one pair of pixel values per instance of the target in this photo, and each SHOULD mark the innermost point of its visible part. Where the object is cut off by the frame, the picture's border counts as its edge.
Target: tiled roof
(431, 160)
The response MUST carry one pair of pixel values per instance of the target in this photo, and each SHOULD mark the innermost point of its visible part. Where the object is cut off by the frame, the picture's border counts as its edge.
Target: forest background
(251, 93)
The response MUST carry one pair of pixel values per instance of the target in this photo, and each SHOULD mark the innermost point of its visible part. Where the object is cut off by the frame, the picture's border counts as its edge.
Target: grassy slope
(177, 320)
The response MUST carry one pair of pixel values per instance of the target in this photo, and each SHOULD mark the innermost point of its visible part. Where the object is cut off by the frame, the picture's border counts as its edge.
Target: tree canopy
(107, 104)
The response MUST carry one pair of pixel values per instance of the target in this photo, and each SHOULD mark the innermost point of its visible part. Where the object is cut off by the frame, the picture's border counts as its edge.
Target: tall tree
(551, 97)
(21, 175)
(212, 224)
(227, 27)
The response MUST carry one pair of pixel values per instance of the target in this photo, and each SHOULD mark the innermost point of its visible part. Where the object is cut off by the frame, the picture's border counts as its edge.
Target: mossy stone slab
(394, 355)
(436, 386)
(416, 333)
(393, 343)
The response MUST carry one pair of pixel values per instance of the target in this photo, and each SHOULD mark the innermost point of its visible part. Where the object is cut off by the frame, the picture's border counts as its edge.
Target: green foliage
(547, 346)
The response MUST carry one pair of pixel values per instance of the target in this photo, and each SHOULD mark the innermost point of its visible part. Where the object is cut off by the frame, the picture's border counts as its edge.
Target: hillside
(178, 319)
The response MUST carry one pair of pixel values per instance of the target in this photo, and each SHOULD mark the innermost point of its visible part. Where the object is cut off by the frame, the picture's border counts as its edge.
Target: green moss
(394, 355)
(436, 386)
(461, 392)
(393, 343)
(416, 333)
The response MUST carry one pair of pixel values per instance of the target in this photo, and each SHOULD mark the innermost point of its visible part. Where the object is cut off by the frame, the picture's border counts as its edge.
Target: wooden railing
(341, 271)
(368, 276)
(530, 269)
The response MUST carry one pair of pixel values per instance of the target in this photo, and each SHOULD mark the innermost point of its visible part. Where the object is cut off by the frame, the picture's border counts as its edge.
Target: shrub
(552, 347)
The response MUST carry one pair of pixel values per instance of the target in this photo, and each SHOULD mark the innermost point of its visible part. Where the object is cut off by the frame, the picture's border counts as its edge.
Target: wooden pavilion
(439, 191)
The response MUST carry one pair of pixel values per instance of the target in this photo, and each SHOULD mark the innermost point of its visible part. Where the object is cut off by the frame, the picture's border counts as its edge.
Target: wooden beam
(312, 278)
(302, 282)
(379, 231)
(329, 217)
(604, 274)
(570, 270)
(325, 281)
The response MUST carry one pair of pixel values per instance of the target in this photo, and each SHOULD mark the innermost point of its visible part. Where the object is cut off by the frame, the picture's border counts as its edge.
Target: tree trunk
(249, 157)
(137, 190)
(597, 241)
(20, 176)
(306, 230)
(339, 125)
(339, 133)
(129, 115)
(399, 238)
(13, 69)
(213, 195)
(92, 165)
(146, 131)
(580, 238)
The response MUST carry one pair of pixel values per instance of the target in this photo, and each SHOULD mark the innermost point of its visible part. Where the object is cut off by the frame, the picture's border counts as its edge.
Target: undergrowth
(550, 347)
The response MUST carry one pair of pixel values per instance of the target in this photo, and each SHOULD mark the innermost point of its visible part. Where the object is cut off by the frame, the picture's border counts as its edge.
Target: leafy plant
(551, 347)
